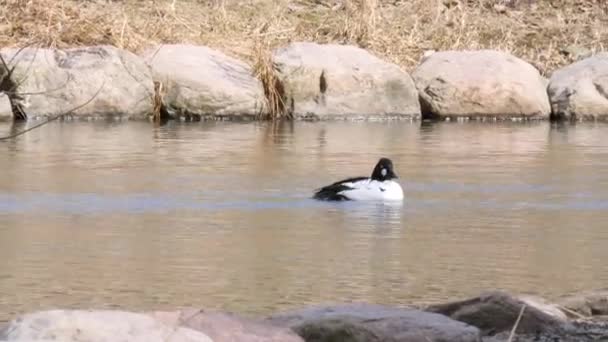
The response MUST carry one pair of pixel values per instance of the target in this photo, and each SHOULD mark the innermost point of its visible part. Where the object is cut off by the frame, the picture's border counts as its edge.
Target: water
(219, 215)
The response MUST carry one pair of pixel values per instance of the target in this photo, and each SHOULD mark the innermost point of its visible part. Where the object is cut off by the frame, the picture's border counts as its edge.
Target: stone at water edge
(482, 83)
(580, 90)
(330, 80)
(370, 323)
(6, 112)
(201, 81)
(224, 327)
(96, 326)
(55, 81)
(497, 311)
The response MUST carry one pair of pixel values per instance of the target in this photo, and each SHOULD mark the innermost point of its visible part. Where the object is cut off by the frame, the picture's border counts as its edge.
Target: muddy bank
(303, 81)
(489, 317)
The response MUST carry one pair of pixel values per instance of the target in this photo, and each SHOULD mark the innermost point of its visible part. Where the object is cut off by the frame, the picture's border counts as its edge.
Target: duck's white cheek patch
(383, 172)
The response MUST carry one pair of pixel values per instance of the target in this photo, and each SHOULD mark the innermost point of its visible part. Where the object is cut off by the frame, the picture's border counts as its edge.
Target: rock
(500, 8)
(590, 303)
(369, 323)
(223, 327)
(199, 81)
(580, 90)
(55, 81)
(576, 52)
(496, 311)
(6, 112)
(480, 84)
(332, 81)
(96, 326)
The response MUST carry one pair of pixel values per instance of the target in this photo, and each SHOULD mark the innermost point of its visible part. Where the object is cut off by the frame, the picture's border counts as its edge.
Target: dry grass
(265, 70)
(398, 30)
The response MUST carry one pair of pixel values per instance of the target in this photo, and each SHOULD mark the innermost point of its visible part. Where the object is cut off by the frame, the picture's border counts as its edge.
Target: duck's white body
(380, 186)
(372, 190)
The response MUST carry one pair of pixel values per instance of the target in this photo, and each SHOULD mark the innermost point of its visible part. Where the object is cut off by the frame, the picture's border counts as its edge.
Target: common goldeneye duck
(380, 186)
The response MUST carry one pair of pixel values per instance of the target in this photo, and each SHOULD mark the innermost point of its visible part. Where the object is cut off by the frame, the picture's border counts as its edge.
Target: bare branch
(55, 117)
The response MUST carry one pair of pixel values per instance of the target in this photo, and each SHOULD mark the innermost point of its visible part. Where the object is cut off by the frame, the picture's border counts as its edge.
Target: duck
(380, 186)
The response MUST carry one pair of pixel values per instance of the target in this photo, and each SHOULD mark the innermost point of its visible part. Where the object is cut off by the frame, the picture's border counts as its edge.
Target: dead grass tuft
(266, 71)
(547, 33)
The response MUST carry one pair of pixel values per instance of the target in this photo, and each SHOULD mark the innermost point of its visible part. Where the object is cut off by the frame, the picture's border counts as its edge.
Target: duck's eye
(383, 172)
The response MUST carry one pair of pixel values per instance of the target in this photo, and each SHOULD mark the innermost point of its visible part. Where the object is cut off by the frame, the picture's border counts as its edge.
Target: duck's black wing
(332, 192)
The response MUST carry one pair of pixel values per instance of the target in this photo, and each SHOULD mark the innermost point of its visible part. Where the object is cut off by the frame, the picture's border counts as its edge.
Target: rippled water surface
(219, 215)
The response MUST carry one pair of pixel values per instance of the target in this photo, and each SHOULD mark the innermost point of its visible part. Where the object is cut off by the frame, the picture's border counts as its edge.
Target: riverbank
(445, 60)
(491, 316)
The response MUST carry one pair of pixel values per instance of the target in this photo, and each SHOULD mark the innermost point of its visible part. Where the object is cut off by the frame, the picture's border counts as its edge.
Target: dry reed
(266, 71)
(543, 32)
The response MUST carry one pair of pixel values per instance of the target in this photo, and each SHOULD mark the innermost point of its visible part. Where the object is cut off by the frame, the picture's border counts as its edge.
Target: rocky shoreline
(490, 317)
(306, 81)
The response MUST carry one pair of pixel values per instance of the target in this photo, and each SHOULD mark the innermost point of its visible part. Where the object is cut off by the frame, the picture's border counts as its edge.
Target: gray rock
(480, 84)
(225, 327)
(495, 312)
(369, 323)
(202, 82)
(330, 81)
(579, 331)
(96, 326)
(576, 52)
(52, 82)
(579, 91)
(589, 303)
(6, 112)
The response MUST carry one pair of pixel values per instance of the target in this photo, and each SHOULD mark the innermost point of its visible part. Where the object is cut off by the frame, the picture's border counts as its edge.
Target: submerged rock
(496, 311)
(480, 84)
(329, 81)
(199, 81)
(96, 326)
(369, 323)
(224, 327)
(580, 91)
(52, 82)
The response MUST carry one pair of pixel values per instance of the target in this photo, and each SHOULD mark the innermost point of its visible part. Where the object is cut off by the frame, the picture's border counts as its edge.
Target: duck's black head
(384, 170)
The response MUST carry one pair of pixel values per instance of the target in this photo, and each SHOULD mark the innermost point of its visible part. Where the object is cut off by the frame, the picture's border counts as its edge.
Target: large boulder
(52, 82)
(369, 323)
(96, 326)
(225, 327)
(480, 84)
(496, 311)
(199, 81)
(328, 81)
(580, 91)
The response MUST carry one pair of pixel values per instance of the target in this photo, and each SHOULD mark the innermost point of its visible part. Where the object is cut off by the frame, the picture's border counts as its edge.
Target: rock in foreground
(590, 303)
(495, 312)
(580, 91)
(485, 83)
(223, 327)
(199, 81)
(96, 326)
(328, 80)
(369, 323)
(52, 82)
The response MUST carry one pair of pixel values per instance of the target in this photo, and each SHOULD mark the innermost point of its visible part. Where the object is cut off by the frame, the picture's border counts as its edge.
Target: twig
(521, 313)
(572, 312)
(14, 135)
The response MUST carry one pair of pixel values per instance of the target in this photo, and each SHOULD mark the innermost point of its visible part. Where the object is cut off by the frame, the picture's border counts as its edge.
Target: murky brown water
(219, 215)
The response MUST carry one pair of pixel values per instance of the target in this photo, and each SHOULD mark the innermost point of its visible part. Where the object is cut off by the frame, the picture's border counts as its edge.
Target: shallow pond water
(219, 215)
